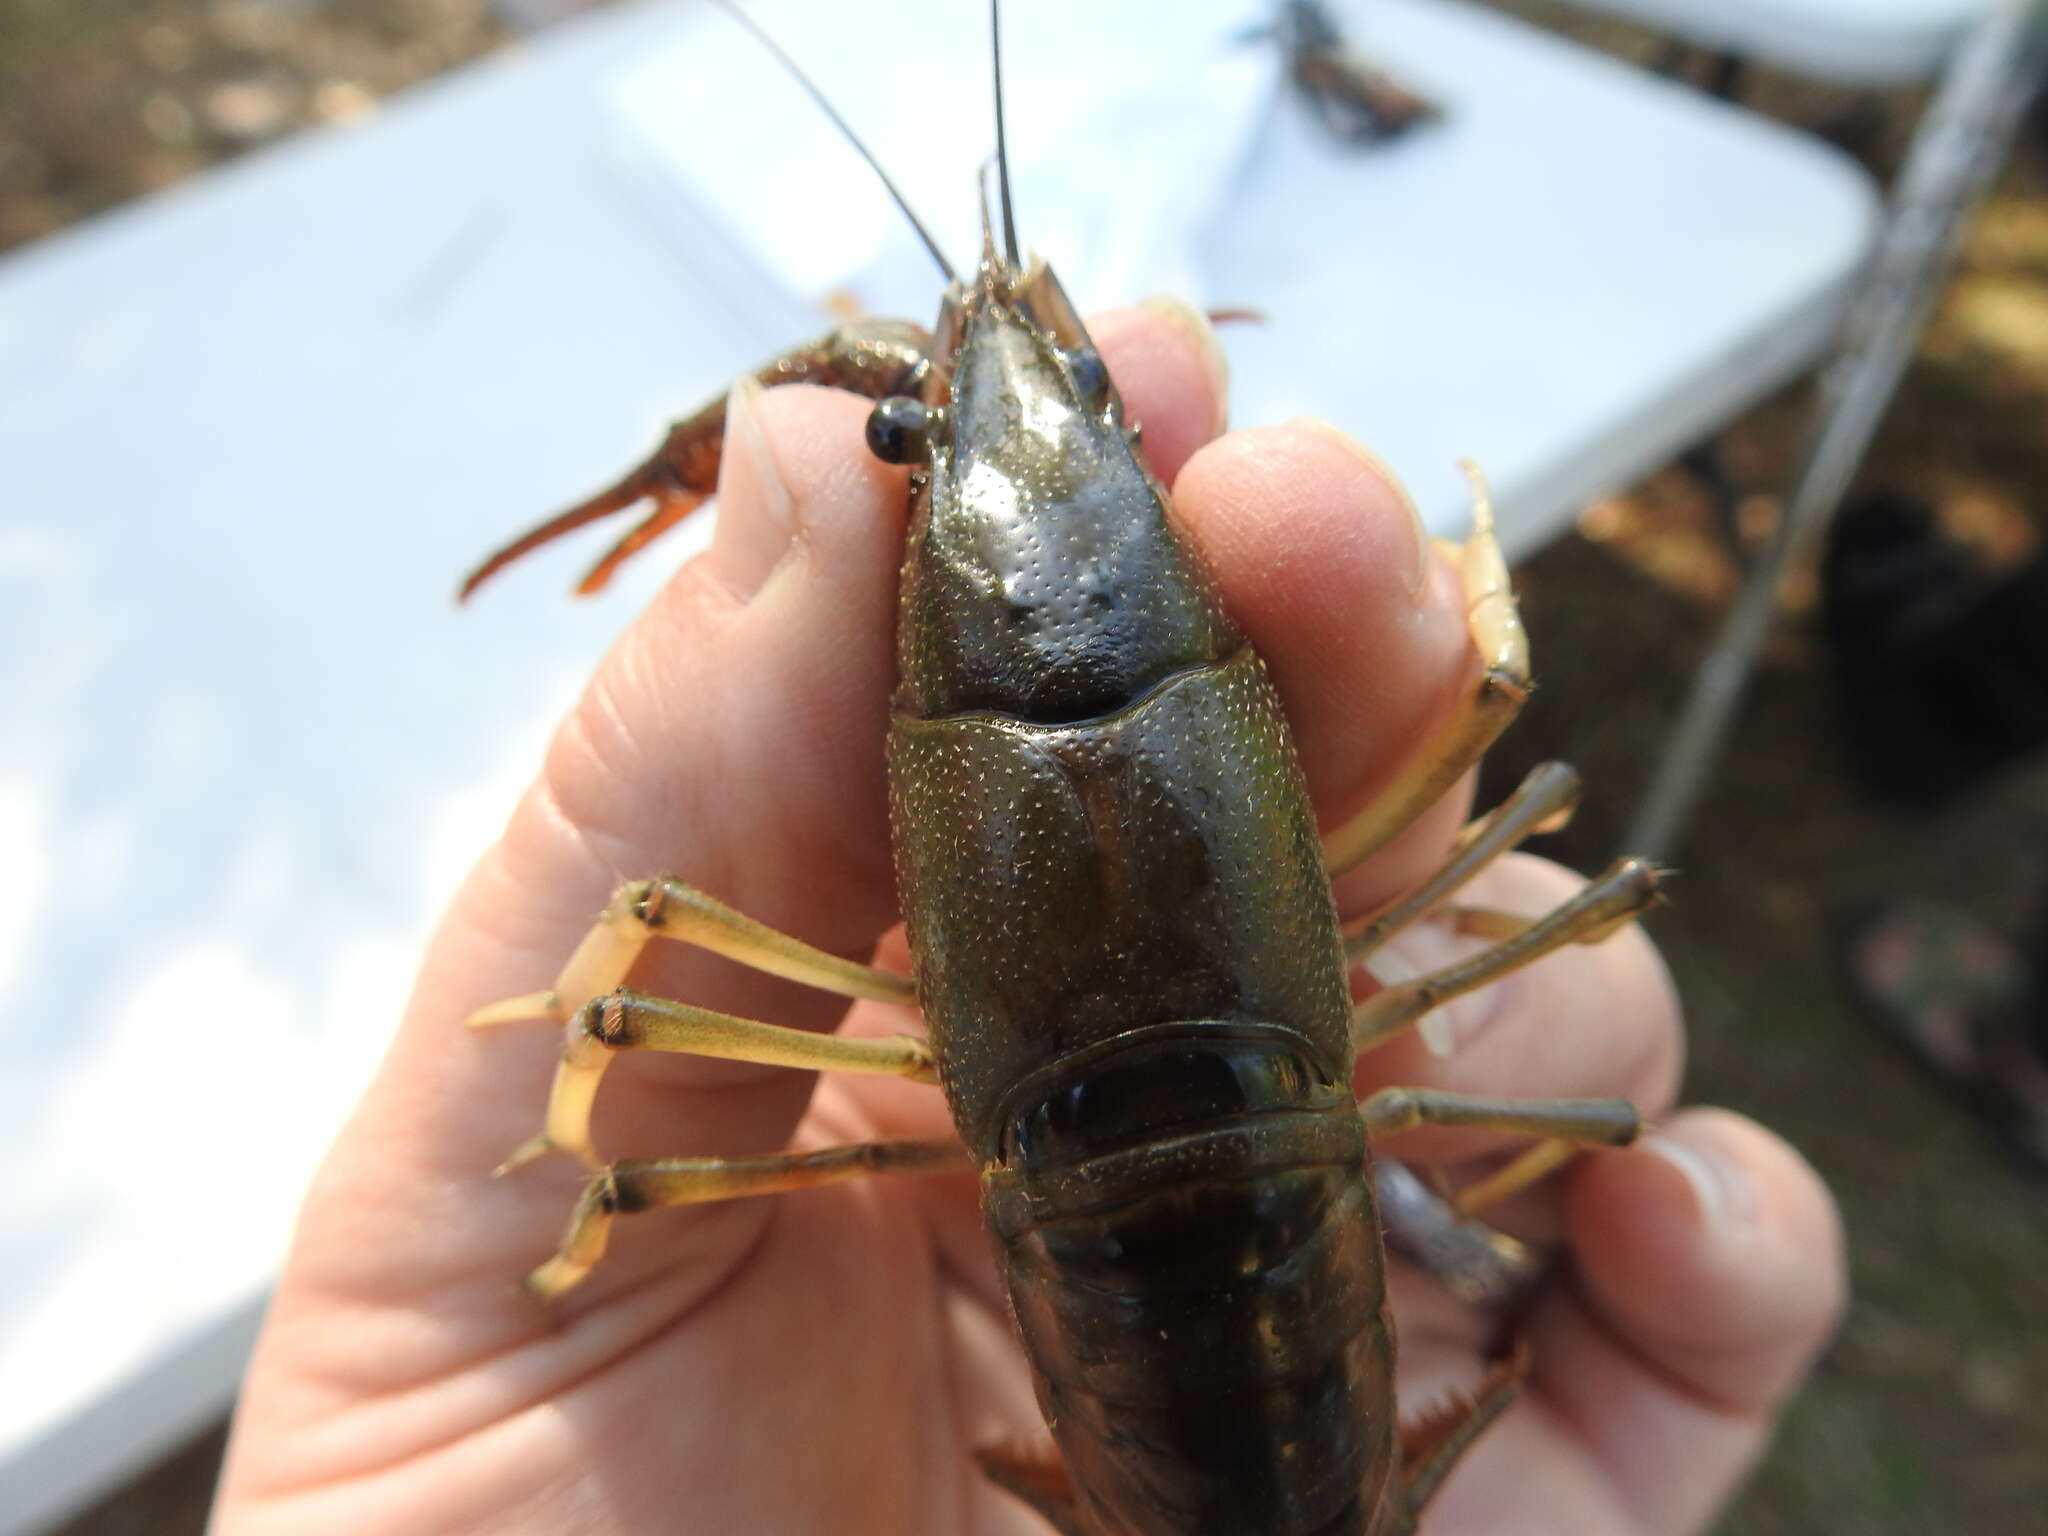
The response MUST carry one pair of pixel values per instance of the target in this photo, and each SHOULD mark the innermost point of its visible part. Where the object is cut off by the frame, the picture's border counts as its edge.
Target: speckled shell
(1076, 882)
(1101, 829)
(1042, 580)
(1099, 820)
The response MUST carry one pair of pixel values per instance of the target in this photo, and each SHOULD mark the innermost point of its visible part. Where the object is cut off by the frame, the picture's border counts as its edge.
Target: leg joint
(609, 1021)
(1501, 684)
(646, 899)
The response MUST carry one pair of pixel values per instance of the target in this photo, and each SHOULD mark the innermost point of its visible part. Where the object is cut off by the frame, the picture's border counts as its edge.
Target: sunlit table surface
(252, 430)
(1855, 42)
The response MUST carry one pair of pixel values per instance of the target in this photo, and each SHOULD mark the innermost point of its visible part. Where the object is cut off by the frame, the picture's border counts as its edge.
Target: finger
(1171, 373)
(642, 778)
(1587, 1021)
(748, 657)
(731, 738)
(1324, 562)
(1711, 1271)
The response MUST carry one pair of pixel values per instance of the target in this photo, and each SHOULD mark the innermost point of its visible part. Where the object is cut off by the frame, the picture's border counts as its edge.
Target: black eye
(899, 430)
(1091, 375)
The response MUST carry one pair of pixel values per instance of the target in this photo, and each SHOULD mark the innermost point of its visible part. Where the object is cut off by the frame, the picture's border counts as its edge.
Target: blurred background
(1926, 1414)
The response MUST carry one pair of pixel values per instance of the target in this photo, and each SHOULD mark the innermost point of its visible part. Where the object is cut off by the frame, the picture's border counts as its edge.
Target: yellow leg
(1538, 1162)
(1480, 717)
(1602, 908)
(1564, 1124)
(1599, 1122)
(1541, 804)
(1485, 922)
(673, 909)
(653, 1183)
(632, 1021)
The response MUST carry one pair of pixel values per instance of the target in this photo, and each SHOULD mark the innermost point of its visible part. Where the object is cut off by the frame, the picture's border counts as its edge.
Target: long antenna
(995, 33)
(760, 36)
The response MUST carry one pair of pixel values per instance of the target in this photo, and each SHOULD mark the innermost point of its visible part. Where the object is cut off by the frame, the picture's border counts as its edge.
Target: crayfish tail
(1432, 1444)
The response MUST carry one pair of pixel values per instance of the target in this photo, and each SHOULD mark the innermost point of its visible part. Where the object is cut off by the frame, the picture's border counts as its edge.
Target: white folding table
(1851, 42)
(252, 430)
(1988, 54)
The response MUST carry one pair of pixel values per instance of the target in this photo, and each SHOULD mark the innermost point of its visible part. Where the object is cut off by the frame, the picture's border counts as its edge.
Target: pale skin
(826, 1361)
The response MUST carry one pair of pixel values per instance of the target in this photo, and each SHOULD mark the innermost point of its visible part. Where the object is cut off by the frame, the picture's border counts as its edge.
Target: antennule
(988, 229)
(782, 57)
(995, 34)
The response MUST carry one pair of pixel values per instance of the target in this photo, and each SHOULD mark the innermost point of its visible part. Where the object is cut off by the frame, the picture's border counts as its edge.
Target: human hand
(827, 1361)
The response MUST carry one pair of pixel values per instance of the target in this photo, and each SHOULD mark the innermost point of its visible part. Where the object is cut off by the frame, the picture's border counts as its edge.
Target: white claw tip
(553, 1279)
(526, 1152)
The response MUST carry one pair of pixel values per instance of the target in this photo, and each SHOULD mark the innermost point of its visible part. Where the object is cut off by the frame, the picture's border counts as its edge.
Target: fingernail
(756, 514)
(1427, 947)
(1720, 1193)
(1195, 325)
(1416, 575)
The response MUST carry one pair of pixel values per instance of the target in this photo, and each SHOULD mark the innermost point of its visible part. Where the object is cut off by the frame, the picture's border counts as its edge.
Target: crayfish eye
(1091, 376)
(899, 430)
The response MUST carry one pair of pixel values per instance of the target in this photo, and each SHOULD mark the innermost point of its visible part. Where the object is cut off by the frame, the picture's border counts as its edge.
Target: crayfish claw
(649, 479)
(670, 508)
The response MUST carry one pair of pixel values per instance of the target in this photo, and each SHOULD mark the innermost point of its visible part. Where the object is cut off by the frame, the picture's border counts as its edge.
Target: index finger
(1711, 1271)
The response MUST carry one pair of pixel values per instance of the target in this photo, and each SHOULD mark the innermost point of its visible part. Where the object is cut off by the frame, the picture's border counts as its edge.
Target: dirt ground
(1925, 1415)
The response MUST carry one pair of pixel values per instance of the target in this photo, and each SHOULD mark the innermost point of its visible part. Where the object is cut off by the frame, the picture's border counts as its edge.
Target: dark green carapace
(1128, 959)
